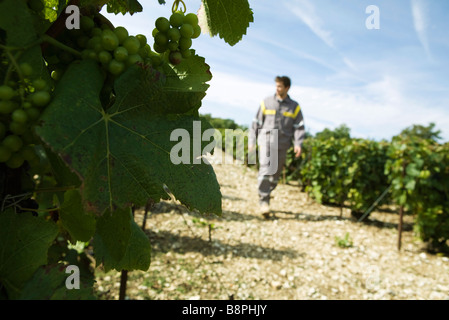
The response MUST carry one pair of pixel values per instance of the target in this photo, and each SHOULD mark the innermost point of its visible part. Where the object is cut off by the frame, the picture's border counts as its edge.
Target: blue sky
(377, 81)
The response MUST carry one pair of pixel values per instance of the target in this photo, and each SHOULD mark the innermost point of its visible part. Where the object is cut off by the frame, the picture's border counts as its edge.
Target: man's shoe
(265, 210)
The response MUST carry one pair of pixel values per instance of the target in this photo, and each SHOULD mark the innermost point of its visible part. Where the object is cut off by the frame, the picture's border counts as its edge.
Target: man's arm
(255, 126)
(299, 133)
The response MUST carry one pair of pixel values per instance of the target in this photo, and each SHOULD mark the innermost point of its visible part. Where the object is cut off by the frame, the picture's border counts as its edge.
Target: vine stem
(56, 43)
(175, 6)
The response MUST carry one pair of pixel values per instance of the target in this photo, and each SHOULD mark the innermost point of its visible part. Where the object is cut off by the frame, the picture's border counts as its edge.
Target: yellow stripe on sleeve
(265, 111)
(292, 115)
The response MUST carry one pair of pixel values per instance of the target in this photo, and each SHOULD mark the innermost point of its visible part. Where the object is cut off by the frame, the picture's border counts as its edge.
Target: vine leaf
(124, 6)
(24, 242)
(18, 23)
(122, 156)
(49, 283)
(228, 19)
(120, 244)
(78, 223)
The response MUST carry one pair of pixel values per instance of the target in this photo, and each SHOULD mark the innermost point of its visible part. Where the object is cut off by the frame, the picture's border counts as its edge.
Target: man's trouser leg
(268, 175)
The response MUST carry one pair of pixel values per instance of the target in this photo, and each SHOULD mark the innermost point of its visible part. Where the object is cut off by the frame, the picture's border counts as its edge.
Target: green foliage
(228, 19)
(419, 175)
(423, 132)
(338, 133)
(345, 242)
(24, 242)
(231, 137)
(124, 6)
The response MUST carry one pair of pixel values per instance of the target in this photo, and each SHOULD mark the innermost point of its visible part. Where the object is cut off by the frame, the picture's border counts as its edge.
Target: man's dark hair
(285, 80)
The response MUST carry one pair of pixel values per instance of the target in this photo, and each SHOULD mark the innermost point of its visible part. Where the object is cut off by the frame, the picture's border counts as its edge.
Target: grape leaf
(228, 19)
(24, 242)
(79, 224)
(123, 155)
(120, 244)
(49, 283)
(18, 22)
(124, 6)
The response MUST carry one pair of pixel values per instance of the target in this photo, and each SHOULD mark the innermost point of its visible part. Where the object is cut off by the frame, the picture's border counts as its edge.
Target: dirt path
(292, 256)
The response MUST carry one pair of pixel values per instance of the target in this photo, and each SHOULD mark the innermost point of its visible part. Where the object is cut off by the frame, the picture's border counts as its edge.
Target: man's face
(281, 89)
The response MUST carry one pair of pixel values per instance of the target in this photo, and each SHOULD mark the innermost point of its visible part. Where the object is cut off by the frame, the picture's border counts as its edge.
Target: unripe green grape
(142, 39)
(6, 92)
(173, 34)
(15, 161)
(134, 58)
(19, 116)
(94, 41)
(86, 23)
(17, 127)
(57, 74)
(186, 53)
(27, 105)
(131, 44)
(175, 57)
(120, 54)
(159, 48)
(176, 19)
(116, 67)
(39, 84)
(185, 43)
(104, 57)
(40, 98)
(26, 69)
(144, 52)
(28, 152)
(191, 19)
(109, 40)
(186, 31)
(87, 54)
(160, 39)
(96, 32)
(162, 24)
(155, 31)
(6, 106)
(156, 60)
(5, 153)
(172, 46)
(33, 113)
(13, 142)
(196, 31)
(121, 33)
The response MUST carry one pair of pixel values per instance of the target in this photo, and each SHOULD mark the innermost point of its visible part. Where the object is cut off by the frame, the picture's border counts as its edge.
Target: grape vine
(173, 36)
(85, 120)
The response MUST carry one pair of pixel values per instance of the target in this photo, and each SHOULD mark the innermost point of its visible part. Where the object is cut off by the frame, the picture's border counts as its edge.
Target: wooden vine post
(401, 213)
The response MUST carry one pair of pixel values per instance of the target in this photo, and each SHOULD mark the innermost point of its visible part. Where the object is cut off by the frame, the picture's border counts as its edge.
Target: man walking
(278, 123)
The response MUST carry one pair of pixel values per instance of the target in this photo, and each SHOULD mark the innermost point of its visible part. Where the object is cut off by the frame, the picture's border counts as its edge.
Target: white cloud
(305, 10)
(419, 13)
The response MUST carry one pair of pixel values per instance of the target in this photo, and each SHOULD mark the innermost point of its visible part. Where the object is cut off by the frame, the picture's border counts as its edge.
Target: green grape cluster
(112, 47)
(173, 36)
(21, 103)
